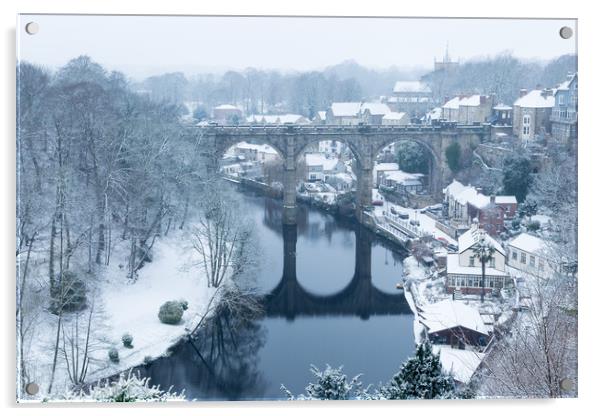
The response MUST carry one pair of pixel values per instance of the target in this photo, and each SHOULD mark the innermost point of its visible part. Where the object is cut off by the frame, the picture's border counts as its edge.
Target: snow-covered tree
(330, 384)
(421, 377)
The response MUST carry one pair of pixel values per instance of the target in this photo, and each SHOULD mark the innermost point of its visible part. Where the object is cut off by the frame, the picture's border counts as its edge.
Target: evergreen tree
(421, 377)
(453, 154)
(517, 176)
(331, 384)
(413, 157)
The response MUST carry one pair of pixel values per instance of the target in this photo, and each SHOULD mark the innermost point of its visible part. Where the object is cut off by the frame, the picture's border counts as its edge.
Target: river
(328, 289)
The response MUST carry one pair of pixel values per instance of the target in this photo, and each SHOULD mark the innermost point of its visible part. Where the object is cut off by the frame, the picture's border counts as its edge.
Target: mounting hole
(32, 28)
(566, 384)
(32, 389)
(566, 32)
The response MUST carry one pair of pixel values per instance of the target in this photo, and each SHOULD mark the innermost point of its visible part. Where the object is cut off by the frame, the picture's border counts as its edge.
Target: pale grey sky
(146, 45)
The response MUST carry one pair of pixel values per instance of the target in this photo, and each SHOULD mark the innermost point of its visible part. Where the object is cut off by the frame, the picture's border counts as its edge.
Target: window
(560, 99)
(523, 258)
(541, 265)
(471, 261)
(492, 263)
(514, 255)
(526, 125)
(532, 261)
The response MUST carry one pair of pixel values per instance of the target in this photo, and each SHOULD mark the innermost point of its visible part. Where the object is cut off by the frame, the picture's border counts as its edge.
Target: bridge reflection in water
(358, 298)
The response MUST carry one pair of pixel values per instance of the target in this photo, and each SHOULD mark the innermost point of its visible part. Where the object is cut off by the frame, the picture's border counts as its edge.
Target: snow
(318, 159)
(402, 177)
(472, 101)
(535, 99)
(506, 199)
(393, 115)
(461, 364)
(125, 306)
(346, 109)
(277, 119)
(260, 148)
(448, 314)
(375, 108)
(528, 243)
(472, 236)
(453, 267)
(226, 107)
(452, 104)
(502, 107)
(411, 86)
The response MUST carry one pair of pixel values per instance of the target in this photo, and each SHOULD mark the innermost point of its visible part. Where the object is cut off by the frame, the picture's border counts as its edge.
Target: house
(342, 181)
(277, 119)
(564, 114)
(402, 182)
(467, 203)
(452, 322)
(530, 254)
(330, 147)
(373, 113)
(464, 271)
(227, 113)
(502, 115)
(531, 114)
(344, 113)
(320, 167)
(262, 153)
(379, 169)
(433, 116)
(412, 97)
(395, 119)
(468, 109)
(320, 118)
(474, 109)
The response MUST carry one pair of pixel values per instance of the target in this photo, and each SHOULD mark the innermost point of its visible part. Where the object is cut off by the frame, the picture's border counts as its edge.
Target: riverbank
(119, 305)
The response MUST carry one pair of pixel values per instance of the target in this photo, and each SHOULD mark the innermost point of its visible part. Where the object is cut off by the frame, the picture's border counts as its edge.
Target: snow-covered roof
(226, 107)
(473, 236)
(502, 106)
(505, 199)
(348, 109)
(535, 99)
(375, 108)
(461, 364)
(471, 101)
(434, 114)
(318, 159)
(528, 243)
(411, 86)
(403, 177)
(448, 314)
(452, 104)
(277, 118)
(386, 166)
(454, 267)
(393, 115)
(565, 85)
(260, 148)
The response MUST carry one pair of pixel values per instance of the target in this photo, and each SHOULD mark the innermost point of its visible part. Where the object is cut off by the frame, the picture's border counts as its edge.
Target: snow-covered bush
(114, 355)
(127, 340)
(331, 384)
(533, 225)
(129, 388)
(171, 312)
(147, 359)
(184, 304)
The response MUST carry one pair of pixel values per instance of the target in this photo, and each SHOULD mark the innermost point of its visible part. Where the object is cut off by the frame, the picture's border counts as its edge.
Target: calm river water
(330, 298)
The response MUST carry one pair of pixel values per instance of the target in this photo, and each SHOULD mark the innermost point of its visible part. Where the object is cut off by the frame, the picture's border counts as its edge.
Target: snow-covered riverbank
(124, 306)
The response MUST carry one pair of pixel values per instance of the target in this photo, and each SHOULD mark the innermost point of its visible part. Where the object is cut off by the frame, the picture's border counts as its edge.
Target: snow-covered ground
(124, 306)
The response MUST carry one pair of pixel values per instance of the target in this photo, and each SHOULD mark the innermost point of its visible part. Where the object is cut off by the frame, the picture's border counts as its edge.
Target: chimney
(482, 99)
(546, 92)
(492, 199)
(522, 92)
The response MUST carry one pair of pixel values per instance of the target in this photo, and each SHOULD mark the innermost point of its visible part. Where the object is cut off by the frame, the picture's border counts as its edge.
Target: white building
(344, 113)
(379, 169)
(530, 254)
(255, 152)
(320, 167)
(464, 269)
(402, 182)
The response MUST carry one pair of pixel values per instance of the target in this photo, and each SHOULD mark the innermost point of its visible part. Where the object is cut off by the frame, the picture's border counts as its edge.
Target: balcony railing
(563, 115)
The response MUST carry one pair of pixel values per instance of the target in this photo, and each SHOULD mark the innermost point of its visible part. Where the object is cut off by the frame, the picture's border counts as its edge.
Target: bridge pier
(289, 195)
(363, 196)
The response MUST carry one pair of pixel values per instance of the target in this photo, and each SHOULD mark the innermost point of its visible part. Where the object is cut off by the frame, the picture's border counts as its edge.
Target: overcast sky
(147, 45)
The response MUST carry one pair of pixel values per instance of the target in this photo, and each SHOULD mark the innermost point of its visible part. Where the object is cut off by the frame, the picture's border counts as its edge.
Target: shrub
(533, 226)
(147, 359)
(127, 340)
(114, 355)
(171, 312)
(184, 304)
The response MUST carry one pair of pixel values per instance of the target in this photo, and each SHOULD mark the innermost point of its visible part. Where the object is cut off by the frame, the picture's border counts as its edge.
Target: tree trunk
(482, 281)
